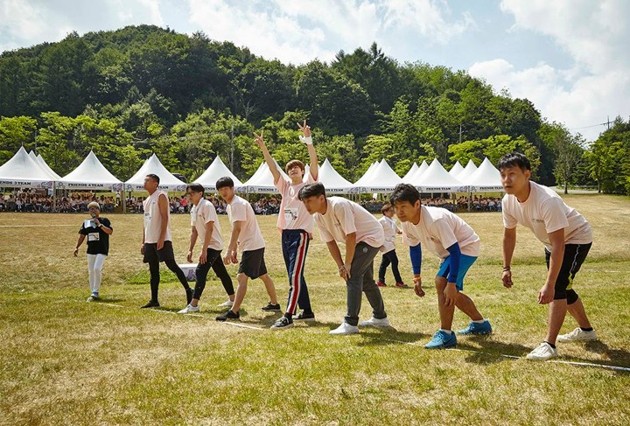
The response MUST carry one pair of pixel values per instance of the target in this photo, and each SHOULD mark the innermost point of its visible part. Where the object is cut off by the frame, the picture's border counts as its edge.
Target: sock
(288, 315)
(553, 346)
(447, 331)
(481, 321)
(587, 328)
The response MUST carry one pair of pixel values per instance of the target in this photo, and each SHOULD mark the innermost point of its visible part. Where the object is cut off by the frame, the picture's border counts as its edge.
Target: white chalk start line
(251, 327)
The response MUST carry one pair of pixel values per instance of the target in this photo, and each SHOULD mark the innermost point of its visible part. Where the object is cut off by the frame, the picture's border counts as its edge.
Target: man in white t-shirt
(296, 226)
(567, 237)
(343, 221)
(391, 230)
(456, 244)
(205, 226)
(157, 245)
(246, 235)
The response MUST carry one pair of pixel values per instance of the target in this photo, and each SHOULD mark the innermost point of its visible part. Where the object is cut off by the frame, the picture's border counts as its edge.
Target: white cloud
(597, 85)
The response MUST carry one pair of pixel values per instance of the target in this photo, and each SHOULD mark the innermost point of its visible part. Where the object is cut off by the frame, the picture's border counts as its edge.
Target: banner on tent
(22, 183)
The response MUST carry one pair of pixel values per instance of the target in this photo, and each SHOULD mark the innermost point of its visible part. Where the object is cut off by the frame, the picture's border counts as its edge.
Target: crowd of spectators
(31, 200)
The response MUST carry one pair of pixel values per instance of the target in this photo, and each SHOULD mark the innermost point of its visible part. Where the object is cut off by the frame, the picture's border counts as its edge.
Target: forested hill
(144, 89)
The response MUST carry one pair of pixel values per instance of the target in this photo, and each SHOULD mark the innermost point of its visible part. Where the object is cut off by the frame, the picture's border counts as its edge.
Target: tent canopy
(22, 171)
(381, 178)
(415, 177)
(332, 180)
(410, 173)
(216, 170)
(467, 172)
(154, 166)
(437, 179)
(262, 180)
(486, 178)
(456, 169)
(91, 174)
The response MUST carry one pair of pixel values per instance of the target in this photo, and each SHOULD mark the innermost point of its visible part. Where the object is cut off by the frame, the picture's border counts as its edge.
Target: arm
(547, 292)
(79, 242)
(450, 292)
(312, 154)
(267, 156)
(104, 228)
(163, 207)
(351, 246)
(230, 256)
(509, 242)
(333, 248)
(193, 241)
(415, 253)
(203, 257)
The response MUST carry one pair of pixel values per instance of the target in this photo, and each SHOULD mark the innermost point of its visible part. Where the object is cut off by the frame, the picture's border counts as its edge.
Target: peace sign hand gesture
(306, 130)
(259, 140)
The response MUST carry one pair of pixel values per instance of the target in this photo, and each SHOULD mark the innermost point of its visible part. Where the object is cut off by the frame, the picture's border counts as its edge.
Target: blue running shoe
(442, 340)
(482, 328)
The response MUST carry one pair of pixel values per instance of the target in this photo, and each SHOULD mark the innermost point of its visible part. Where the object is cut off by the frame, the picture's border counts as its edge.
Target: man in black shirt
(97, 230)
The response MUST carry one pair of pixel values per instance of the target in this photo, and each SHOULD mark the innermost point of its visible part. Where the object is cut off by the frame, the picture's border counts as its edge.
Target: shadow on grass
(618, 355)
(108, 300)
(490, 350)
(390, 336)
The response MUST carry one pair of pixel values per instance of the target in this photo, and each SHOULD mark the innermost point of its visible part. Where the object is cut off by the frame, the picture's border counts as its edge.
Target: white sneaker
(376, 322)
(227, 304)
(345, 328)
(189, 309)
(577, 335)
(543, 352)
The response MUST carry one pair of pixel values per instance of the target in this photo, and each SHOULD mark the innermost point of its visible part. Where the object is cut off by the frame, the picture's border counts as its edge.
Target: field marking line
(38, 226)
(234, 324)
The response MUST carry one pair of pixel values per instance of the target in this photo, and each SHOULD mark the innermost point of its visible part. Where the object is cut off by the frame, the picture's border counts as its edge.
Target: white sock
(481, 321)
(447, 331)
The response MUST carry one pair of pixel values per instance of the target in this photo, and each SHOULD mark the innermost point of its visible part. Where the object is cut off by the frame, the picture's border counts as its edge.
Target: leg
(394, 259)
(154, 270)
(446, 312)
(91, 258)
(577, 311)
(174, 267)
(467, 306)
(296, 254)
(271, 289)
(382, 269)
(98, 272)
(363, 259)
(557, 312)
(201, 274)
(373, 293)
(241, 291)
(219, 268)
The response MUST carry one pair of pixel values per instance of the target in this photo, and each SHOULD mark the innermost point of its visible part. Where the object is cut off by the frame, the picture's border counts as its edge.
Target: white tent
(437, 179)
(332, 180)
(381, 178)
(23, 172)
(486, 178)
(456, 169)
(154, 166)
(262, 180)
(415, 177)
(410, 173)
(45, 166)
(91, 174)
(467, 172)
(215, 171)
(367, 173)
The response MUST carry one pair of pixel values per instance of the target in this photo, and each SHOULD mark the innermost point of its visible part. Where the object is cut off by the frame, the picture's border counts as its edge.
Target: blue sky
(569, 57)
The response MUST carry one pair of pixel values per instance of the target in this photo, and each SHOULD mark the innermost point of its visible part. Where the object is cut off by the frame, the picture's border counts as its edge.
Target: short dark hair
(514, 159)
(154, 177)
(224, 181)
(312, 190)
(195, 187)
(386, 207)
(404, 192)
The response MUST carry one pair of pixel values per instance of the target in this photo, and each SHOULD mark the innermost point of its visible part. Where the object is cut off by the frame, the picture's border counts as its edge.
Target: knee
(440, 282)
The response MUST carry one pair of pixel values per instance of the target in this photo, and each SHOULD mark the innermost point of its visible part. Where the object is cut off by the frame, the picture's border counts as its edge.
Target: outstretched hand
(259, 140)
(305, 129)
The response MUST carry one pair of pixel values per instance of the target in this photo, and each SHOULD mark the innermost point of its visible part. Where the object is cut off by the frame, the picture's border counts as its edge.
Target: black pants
(215, 262)
(389, 257)
(153, 256)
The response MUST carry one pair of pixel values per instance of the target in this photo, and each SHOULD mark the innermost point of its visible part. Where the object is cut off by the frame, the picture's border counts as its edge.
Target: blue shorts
(465, 263)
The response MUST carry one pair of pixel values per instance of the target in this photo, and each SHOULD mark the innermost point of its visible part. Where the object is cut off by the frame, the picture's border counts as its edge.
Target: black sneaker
(305, 316)
(151, 304)
(272, 307)
(282, 323)
(228, 315)
(189, 295)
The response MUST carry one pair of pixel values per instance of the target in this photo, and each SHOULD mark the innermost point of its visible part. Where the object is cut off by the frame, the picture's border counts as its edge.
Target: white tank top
(153, 219)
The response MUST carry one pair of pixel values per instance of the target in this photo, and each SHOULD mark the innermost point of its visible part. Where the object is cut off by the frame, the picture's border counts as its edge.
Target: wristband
(506, 269)
(308, 140)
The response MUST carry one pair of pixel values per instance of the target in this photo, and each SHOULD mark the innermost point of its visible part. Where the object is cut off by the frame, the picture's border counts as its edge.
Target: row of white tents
(30, 170)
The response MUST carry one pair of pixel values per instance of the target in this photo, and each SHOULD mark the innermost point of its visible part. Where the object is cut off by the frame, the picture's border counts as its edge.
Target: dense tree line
(145, 89)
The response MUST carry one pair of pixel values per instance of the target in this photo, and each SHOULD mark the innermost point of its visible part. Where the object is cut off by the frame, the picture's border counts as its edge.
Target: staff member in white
(567, 237)
(97, 230)
(341, 220)
(205, 226)
(156, 239)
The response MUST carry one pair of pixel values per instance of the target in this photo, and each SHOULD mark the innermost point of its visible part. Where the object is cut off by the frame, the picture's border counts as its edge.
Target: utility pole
(460, 133)
(232, 146)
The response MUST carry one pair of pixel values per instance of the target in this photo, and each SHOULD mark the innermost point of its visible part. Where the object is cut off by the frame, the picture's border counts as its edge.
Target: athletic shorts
(574, 256)
(253, 263)
(465, 262)
(151, 253)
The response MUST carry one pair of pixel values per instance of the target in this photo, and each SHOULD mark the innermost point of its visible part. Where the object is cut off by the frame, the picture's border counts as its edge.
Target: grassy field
(65, 361)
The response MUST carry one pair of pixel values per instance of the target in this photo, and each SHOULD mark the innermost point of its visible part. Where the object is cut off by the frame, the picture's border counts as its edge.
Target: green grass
(64, 361)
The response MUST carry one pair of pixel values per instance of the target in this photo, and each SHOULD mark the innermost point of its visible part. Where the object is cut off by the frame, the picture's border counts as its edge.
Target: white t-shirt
(200, 215)
(293, 214)
(250, 237)
(153, 219)
(344, 217)
(545, 212)
(439, 229)
(390, 230)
